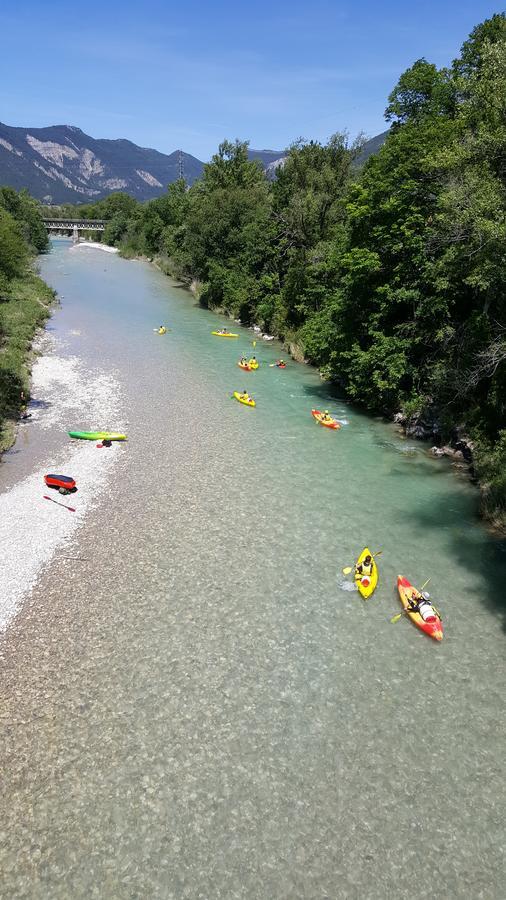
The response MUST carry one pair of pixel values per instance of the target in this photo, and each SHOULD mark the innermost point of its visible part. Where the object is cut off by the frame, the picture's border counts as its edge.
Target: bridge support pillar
(75, 235)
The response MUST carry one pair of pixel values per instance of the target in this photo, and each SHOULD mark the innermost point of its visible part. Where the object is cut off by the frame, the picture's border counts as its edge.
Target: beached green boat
(97, 435)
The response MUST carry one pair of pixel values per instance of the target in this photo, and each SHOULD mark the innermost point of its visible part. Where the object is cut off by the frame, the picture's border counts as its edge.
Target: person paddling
(421, 604)
(365, 567)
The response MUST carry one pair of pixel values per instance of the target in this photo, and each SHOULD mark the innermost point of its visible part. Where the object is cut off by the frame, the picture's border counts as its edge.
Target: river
(197, 706)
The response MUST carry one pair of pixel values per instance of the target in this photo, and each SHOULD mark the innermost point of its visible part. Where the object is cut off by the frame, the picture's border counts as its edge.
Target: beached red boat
(62, 483)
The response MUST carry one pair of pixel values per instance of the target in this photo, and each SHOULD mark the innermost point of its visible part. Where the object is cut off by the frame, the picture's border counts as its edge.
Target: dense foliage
(24, 298)
(391, 279)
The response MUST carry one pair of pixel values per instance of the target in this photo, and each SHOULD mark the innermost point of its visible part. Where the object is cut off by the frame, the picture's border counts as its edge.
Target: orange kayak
(319, 416)
(431, 624)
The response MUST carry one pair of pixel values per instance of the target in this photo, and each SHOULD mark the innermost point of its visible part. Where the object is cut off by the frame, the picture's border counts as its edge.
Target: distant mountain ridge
(62, 164)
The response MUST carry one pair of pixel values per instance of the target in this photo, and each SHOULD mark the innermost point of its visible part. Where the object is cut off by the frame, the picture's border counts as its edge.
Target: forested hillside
(24, 298)
(392, 279)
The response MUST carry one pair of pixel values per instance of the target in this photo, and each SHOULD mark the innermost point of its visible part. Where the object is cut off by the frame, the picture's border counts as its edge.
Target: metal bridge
(73, 226)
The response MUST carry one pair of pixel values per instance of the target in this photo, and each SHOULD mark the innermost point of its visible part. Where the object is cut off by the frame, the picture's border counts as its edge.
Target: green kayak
(97, 435)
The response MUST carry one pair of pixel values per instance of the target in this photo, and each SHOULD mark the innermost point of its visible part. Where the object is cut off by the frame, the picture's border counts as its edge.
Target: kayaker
(245, 395)
(365, 567)
(252, 361)
(421, 604)
(326, 416)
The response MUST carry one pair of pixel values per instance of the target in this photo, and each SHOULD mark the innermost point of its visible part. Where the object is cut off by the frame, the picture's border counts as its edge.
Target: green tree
(13, 249)
(27, 212)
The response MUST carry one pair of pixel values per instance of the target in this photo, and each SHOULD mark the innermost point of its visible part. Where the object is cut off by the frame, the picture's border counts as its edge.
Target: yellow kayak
(224, 334)
(366, 584)
(247, 400)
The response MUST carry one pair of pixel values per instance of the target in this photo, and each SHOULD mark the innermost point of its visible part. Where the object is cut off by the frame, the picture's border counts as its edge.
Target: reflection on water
(209, 709)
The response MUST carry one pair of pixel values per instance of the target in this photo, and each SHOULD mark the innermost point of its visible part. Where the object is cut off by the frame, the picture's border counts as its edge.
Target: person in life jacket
(421, 604)
(326, 417)
(365, 567)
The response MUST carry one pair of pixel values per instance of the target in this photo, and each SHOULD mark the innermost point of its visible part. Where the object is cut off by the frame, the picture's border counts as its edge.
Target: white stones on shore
(32, 529)
(95, 245)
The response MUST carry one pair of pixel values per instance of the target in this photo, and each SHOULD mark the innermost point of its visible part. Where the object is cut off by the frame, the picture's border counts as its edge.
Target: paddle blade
(395, 619)
(347, 570)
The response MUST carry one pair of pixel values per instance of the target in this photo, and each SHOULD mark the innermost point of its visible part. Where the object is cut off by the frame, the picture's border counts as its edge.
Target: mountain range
(62, 164)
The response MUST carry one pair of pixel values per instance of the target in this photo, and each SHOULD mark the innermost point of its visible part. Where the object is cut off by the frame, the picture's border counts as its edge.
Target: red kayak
(430, 622)
(62, 483)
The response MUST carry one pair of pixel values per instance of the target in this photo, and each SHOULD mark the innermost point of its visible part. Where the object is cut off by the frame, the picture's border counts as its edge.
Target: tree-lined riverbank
(391, 280)
(24, 302)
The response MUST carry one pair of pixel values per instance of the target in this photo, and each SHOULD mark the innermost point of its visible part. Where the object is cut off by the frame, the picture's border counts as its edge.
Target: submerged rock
(450, 452)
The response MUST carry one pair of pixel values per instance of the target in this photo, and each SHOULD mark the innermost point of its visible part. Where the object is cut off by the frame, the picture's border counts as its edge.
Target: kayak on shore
(62, 483)
(97, 435)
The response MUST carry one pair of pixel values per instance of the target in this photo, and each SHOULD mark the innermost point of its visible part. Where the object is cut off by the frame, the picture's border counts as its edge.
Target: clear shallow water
(199, 709)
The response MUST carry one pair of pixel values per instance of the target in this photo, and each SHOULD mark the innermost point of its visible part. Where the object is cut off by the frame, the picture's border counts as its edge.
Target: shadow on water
(325, 391)
(406, 467)
(39, 404)
(481, 553)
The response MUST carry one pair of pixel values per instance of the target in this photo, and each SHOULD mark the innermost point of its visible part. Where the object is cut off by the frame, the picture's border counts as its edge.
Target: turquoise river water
(199, 706)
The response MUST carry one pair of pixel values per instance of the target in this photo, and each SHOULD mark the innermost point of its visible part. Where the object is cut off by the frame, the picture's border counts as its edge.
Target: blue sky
(186, 75)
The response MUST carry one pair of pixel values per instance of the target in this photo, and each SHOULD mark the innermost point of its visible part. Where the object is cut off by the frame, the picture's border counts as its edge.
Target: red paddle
(70, 508)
